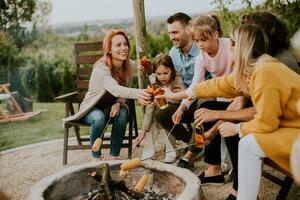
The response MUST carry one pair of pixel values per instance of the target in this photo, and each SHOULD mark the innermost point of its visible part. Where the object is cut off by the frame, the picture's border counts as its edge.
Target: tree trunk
(140, 35)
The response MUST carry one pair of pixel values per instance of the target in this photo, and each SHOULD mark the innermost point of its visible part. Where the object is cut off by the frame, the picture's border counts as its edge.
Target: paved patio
(22, 167)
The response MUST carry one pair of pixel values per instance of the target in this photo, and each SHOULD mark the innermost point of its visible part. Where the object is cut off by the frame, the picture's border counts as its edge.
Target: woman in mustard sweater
(275, 125)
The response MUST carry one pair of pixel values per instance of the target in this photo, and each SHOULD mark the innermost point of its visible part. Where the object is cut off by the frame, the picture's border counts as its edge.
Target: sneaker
(170, 157)
(211, 180)
(184, 163)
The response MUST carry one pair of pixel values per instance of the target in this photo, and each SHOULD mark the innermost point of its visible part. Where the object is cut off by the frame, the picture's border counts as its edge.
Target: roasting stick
(134, 148)
(168, 151)
(171, 131)
(98, 142)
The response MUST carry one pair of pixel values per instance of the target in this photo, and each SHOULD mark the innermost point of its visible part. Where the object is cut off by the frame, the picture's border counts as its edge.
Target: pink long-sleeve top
(217, 66)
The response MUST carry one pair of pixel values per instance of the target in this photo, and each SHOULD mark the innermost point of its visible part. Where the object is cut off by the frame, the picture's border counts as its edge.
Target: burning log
(117, 189)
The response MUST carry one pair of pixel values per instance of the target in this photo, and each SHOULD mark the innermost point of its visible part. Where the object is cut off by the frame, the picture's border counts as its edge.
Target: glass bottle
(145, 62)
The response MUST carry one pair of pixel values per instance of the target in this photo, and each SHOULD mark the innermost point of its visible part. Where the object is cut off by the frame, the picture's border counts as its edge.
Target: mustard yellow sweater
(274, 90)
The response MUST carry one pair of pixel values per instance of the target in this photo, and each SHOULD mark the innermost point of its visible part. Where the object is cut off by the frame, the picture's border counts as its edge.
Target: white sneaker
(170, 157)
(148, 150)
(170, 144)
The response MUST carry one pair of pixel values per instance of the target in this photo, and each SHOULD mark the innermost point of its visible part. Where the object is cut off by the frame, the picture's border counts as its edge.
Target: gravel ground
(22, 167)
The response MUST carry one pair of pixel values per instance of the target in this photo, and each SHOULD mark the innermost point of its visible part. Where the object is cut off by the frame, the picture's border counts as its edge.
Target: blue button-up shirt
(185, 65)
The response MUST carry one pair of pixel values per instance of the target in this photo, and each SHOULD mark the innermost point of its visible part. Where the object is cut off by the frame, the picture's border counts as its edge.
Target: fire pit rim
(191, 191)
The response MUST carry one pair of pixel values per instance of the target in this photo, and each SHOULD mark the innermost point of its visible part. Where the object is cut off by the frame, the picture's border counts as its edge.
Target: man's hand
(115, 109)
(205, 115)
(228, 129)
(178, 88)
(237, 104)
(177, 116)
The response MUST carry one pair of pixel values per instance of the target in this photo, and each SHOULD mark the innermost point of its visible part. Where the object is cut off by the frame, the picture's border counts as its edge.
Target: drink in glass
(198, 135)
(162, 102)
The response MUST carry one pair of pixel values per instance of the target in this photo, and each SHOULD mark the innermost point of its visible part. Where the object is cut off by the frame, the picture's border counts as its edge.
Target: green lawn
(44, 127)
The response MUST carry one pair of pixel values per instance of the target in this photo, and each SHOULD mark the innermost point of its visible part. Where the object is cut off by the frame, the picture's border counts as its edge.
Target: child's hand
(140, 138)
(168, 94)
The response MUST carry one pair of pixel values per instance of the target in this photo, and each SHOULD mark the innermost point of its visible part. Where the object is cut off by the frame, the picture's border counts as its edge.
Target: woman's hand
(115, 109)
(227, 129)
(144, 97)
(140, 66)
(140, 138)
(205, 115)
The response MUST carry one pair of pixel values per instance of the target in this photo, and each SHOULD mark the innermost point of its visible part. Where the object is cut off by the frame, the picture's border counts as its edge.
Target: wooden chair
(285, 184)
(86, 54)
(18, 114)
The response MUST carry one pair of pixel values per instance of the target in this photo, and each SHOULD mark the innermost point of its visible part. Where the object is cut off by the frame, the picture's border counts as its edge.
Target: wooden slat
(87, 59)
(80, 96)
(86, 71)
(88, 46)
(82, 84)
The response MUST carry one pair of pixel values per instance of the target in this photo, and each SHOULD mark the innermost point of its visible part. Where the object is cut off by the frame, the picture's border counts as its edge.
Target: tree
(44, 91)
(67, 81)
(16, 13)
(8, 56)
(287, 10)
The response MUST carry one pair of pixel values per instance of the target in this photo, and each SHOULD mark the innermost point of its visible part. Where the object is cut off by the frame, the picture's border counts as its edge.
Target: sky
(68, 11)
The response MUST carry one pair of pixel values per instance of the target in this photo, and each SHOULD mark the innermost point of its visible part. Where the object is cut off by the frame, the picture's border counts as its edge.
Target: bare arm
(234, 112)
(238, 115)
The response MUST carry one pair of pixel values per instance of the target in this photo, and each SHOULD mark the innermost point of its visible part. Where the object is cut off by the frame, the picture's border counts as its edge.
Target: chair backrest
(86, 54)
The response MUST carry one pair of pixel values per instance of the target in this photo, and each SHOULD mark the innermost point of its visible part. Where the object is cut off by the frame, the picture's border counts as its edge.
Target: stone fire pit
(178, 183)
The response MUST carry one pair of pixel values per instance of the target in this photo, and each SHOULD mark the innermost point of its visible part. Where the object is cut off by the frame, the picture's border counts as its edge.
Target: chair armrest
(65, 97)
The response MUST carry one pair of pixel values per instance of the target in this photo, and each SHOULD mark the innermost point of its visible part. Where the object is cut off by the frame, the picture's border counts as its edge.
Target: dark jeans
(97, 118)
(164, 118)
(212, 151)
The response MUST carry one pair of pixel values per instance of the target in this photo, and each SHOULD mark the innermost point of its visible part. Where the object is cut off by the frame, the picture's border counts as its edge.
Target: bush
(44, 92)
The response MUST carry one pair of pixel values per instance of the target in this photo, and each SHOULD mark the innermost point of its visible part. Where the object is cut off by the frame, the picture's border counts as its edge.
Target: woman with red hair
(108, 90)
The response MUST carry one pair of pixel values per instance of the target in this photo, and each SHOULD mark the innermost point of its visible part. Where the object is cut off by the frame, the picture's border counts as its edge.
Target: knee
(160, 115)
(245, 144)
(98, 119)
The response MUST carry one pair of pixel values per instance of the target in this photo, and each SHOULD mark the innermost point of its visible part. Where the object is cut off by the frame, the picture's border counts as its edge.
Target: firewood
(105, 180)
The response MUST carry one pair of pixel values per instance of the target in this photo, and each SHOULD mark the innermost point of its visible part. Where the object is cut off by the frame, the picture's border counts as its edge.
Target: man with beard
(183, 54)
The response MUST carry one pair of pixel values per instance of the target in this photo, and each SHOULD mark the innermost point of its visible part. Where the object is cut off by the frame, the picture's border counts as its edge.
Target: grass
(44, 127)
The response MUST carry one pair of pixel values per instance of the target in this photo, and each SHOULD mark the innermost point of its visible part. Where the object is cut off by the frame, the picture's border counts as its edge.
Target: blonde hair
(250, 50)
(205, 26)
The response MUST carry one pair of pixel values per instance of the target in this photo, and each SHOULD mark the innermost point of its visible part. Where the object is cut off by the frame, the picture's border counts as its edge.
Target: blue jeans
(97, 118)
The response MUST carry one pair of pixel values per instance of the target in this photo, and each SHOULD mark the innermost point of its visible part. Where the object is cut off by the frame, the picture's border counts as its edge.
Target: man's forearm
(238, 115)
